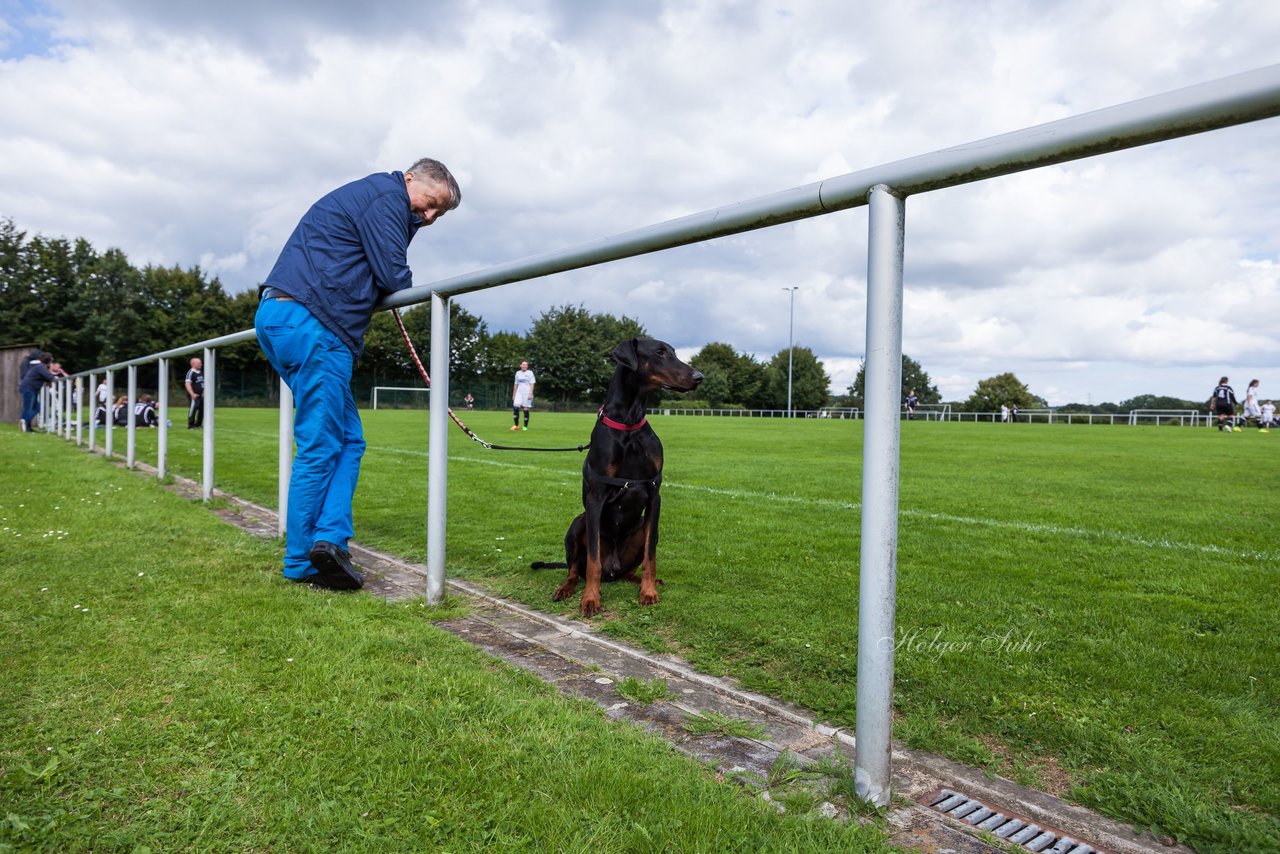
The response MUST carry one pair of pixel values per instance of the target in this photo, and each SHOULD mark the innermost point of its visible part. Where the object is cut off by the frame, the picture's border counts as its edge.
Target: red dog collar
(618, 425)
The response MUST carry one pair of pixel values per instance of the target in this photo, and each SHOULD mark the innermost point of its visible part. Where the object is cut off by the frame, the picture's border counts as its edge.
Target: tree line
(92, 308)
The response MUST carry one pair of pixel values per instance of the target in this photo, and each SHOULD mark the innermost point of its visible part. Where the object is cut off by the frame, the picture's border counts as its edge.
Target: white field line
(572, 477)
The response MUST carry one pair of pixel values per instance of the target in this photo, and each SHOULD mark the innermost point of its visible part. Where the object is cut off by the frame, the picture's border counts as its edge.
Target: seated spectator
(144, 412)
(119, 415)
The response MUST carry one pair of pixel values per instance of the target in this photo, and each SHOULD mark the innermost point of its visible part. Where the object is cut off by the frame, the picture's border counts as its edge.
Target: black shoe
(336, 571)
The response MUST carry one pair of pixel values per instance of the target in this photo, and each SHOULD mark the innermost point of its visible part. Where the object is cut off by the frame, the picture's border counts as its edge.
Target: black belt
(276, 294)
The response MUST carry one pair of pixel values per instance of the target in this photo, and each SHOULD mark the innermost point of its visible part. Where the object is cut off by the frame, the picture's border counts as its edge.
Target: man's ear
(627, 354)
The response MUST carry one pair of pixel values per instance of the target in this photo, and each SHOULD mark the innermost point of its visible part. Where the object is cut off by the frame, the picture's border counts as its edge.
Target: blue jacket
(37, 377)
(347, 251)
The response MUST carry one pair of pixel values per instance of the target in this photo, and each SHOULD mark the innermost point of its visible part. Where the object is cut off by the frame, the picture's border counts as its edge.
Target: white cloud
(199, 133)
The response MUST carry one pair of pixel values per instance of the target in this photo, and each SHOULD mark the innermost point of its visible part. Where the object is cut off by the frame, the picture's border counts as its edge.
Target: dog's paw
(590, 607)
(564, 591)
(649, 597)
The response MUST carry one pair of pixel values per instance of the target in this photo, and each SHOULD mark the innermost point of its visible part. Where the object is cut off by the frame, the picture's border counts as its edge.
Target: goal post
(1157, 416)
(400, 397)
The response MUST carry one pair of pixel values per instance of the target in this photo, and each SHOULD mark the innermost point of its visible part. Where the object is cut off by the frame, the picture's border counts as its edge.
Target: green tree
(183, 306)
(913, 377)
(569, 351)
(1154, 401)
(1001, 389)
(503, 354)
(19, 301)
(742, 374)
(810, 384)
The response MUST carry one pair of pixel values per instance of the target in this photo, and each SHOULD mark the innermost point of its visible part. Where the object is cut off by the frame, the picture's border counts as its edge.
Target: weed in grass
(717, 724)
(644, 691)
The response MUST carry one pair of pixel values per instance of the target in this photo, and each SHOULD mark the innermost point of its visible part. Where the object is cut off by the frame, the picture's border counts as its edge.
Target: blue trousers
(329, 439)
(30, 408)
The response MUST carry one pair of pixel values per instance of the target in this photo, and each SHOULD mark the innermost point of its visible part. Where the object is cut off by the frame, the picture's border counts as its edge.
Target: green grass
(644, 691)
(165, 689)
(718, 724)
(1091, 610)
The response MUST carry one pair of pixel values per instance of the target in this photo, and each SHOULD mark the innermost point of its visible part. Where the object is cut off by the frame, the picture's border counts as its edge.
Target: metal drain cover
(1020, 831)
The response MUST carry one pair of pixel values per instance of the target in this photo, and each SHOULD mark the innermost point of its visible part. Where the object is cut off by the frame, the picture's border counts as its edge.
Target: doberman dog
(617, 532)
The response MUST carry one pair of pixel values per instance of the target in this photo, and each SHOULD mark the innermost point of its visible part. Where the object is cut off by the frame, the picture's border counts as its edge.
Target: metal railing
(883, 189)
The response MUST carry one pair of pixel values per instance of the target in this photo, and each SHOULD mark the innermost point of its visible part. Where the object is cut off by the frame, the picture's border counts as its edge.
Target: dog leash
(413, 352)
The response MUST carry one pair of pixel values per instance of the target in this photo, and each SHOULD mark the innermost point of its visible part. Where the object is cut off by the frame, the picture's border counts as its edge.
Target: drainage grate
(1033, 837)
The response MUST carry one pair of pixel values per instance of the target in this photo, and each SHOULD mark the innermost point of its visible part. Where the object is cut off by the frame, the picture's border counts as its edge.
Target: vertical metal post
(110, 426)
(285, 456)
(93, 410)
(68, 401)
(438, 448)
(877, 576)
(162, 418)
(791, 347)
(131, 423)
(209, 381)
(79, 409)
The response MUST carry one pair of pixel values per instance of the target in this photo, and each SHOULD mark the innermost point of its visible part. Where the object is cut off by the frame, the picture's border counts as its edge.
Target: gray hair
(438, 173)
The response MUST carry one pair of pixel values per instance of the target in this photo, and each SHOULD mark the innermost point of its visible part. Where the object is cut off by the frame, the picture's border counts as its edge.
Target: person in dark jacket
(346, 253)
(36, 374)
(28, 361)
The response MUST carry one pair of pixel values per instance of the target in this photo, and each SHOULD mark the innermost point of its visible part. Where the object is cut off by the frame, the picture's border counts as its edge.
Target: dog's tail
(538, 564)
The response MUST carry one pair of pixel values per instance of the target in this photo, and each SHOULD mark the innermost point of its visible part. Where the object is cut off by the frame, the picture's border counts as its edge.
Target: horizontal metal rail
(1235, 100)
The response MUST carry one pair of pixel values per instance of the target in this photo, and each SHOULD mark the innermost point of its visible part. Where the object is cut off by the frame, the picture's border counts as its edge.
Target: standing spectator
(28, 362)
(101, 395)
(345, 254)
(912, 402)
(1013, 413)
(469, 401)
(194, 384)
(35, 376)
(1251, 409)
(522, 396)
(1223, 402)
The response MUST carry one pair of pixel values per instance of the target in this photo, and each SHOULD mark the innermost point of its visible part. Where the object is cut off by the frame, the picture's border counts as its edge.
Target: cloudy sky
(197, 133)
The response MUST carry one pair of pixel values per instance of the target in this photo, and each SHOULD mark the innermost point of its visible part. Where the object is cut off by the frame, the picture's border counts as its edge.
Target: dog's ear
(627, 354)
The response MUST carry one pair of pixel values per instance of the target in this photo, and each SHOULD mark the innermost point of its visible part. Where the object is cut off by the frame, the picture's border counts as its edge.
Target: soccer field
(1089, 610)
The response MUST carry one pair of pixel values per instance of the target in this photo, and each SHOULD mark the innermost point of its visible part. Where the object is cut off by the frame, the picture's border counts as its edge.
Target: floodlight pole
(791, 346)
(437, 447)
(877, 575)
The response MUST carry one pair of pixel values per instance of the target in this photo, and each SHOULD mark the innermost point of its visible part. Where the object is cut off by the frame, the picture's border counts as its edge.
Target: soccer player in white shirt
(522, 396)
(1251, 409)
(1268, 416)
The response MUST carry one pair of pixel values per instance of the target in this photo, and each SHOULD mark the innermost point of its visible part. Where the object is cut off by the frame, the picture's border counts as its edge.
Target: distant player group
(1223, 404)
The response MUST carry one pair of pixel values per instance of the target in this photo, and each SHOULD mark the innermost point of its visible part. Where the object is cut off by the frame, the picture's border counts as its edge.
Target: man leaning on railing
(347, 251)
